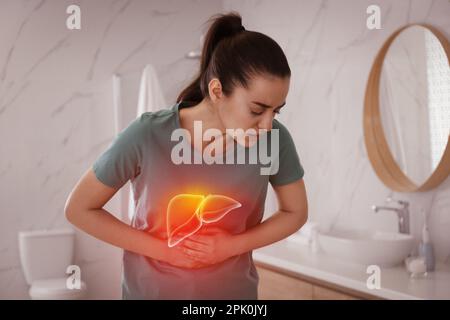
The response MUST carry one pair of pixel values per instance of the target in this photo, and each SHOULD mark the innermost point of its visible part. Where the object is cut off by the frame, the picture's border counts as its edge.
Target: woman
(242, 84)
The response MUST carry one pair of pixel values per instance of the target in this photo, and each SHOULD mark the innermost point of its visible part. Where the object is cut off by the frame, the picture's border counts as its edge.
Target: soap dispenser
(426, 247)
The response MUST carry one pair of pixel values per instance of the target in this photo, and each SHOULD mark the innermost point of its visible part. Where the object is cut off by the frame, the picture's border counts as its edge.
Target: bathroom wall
(56, 112)
(330, 51)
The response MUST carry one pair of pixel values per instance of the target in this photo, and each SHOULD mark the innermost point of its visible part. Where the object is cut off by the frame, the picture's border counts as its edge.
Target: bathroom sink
(385, 249)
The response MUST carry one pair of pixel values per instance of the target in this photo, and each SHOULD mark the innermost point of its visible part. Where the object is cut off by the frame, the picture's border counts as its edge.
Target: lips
(186, 213)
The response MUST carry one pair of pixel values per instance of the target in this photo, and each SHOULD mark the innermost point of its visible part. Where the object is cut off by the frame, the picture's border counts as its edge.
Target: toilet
(44, 257)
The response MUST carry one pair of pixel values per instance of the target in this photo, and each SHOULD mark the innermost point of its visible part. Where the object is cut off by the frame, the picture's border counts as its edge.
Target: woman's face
(255, 107)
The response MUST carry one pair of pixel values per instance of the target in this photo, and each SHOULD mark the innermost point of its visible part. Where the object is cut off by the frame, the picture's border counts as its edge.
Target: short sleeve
(123, 158)
(289, 167)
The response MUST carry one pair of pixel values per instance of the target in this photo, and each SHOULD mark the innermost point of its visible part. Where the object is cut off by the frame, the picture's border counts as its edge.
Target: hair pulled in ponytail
(234, 55)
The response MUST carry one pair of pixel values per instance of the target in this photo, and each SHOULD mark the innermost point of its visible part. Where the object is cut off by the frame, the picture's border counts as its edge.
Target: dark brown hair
(234, 55)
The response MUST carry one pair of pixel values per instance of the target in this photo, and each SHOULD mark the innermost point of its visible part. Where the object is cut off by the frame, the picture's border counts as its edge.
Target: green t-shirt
(141, 153)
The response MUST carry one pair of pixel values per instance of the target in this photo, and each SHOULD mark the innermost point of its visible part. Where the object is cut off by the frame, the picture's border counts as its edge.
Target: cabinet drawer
(276, 286)
(322, 293)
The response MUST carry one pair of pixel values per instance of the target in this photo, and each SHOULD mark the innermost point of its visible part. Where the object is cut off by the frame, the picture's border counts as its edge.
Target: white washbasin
(385, 249)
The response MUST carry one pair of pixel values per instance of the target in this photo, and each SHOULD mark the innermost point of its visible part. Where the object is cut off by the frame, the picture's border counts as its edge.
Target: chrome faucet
(402, 214)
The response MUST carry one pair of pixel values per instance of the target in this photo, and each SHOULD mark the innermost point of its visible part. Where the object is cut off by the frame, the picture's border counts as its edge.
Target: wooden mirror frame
(380, 156)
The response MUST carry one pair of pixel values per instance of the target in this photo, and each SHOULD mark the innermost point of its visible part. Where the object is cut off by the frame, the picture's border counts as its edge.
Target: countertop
(395, 282)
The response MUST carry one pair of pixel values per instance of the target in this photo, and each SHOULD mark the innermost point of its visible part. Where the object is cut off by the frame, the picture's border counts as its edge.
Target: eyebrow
(267, 106)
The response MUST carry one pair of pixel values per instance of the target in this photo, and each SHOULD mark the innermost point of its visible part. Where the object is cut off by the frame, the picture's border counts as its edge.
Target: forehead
(266, 88)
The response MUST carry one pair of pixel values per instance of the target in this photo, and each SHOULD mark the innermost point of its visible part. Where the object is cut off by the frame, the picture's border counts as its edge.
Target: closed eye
(260, 113)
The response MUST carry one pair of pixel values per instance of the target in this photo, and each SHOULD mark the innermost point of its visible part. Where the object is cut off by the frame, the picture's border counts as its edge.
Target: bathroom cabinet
(277, 284)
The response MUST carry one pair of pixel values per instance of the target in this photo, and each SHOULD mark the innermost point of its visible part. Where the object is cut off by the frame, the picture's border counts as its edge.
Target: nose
(266, 123)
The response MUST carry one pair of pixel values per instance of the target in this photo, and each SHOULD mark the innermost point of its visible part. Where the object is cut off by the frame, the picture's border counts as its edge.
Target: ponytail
(233, 55)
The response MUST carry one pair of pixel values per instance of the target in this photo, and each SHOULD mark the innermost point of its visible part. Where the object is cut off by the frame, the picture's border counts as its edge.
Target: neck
(206, 112)
(208, 115)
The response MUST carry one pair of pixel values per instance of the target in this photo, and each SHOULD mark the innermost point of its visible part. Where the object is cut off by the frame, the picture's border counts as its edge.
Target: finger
(211, 230)
(186, 260)
(197, 264)
(200, 238)
(195, 245)
(199, 261)
(194, 253)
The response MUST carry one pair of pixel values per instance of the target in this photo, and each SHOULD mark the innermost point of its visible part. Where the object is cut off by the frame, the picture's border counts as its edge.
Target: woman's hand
(209, 246)
(178, 258)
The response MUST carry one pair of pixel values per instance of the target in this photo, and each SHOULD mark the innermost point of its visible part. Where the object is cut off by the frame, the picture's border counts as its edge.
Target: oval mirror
(407, 110)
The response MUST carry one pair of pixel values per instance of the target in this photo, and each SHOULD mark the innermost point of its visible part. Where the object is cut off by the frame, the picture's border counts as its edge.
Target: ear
(215, 90)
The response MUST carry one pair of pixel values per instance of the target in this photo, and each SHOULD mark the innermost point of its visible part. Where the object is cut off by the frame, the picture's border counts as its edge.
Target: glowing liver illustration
(187, 212)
